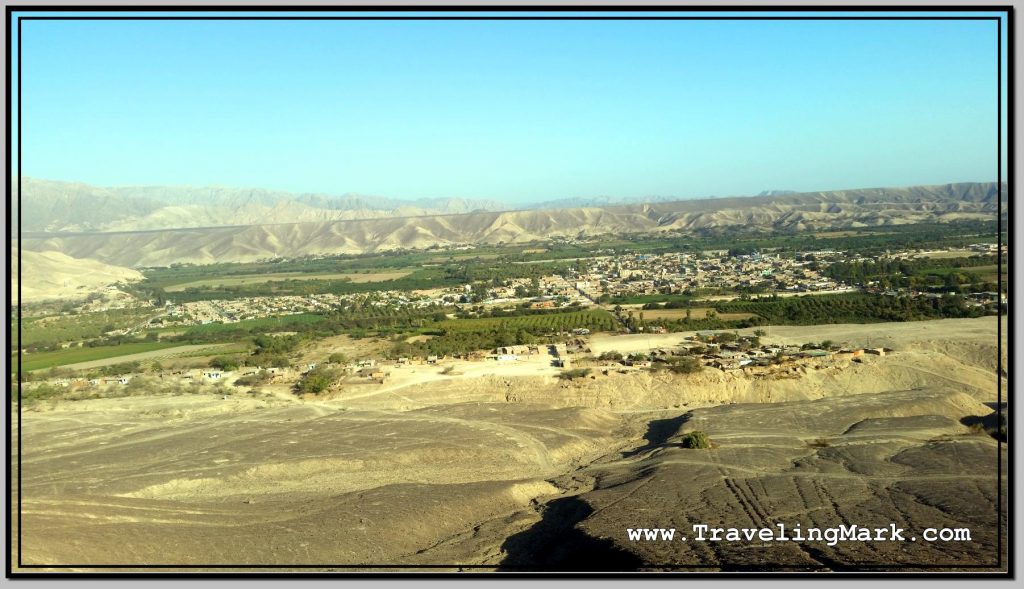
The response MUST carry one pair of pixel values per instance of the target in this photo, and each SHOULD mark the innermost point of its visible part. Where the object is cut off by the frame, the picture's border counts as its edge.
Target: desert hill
(53, 275)
(264, 236)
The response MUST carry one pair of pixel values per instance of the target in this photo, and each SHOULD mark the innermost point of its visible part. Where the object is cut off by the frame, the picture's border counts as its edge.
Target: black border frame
(716, 571)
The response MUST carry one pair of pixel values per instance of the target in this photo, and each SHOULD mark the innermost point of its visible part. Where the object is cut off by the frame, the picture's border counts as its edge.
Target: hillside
(53, 275)
(532, 472)
(248, 240)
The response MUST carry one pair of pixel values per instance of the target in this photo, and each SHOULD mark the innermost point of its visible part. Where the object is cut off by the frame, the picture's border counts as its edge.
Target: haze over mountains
(156, 226)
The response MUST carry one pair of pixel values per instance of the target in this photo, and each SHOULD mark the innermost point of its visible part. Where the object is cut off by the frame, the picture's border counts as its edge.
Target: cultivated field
(356, 277)
(695, 313)
(86, 358)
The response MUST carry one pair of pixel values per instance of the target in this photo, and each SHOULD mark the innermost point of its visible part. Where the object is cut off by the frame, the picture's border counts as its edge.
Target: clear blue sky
(517, 111)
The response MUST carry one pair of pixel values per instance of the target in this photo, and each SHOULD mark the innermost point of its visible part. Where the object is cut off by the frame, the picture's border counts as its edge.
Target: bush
(43, 391)
(337, 358)
(686, 365)
(225, 363)
(726, 337)
(253, 380)
(318, 380)
(696, 440)
(613, 356)
(574, 373)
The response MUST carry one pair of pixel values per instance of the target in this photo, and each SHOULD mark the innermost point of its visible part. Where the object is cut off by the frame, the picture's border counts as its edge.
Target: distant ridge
(869, 207)
(68, 206)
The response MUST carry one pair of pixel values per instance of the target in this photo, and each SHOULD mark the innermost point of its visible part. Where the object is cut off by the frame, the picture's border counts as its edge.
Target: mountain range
(158, 226)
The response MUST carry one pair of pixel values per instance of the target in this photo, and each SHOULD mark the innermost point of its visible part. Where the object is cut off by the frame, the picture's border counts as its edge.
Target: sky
(514, 111)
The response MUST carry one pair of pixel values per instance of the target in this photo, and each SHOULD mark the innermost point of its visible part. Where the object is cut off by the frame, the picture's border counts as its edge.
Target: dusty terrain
(519, 470)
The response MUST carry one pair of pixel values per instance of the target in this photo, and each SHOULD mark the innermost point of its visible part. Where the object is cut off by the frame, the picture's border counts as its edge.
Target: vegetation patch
(695, 440)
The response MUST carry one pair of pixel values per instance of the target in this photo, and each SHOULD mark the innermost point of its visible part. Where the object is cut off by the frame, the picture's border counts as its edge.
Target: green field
(987, 273)
(74, 355)
(596, 319)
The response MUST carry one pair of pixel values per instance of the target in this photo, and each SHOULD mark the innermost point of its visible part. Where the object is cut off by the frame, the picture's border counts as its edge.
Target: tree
(318, 380)
(225, 363)
(686, 365)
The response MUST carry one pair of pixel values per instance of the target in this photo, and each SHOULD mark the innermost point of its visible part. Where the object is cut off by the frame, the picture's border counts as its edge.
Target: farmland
(251, 279)
(695, 313)
(594, 319)
(42, 360)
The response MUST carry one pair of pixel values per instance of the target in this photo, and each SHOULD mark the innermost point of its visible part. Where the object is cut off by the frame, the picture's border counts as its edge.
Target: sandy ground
(509, 467)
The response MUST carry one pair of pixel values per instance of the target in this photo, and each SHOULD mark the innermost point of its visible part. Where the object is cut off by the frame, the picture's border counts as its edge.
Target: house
(212, 375)
(371, 372)
(431, 359)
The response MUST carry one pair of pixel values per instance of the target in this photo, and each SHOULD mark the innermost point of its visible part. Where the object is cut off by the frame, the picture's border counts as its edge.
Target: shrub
(696, 440)
(318, 380)
(337, 358)
(43, 391)
(252, 380)
(574, 373)
(225, 363)
(613, 356)
(685, 365)
(726, 337)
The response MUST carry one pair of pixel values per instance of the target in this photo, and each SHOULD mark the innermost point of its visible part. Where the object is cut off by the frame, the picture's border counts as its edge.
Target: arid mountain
(268, 238)
(67, 206)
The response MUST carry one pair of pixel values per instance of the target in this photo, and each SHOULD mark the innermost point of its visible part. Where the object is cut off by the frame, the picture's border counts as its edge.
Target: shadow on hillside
(658, 433)
(555, 544)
